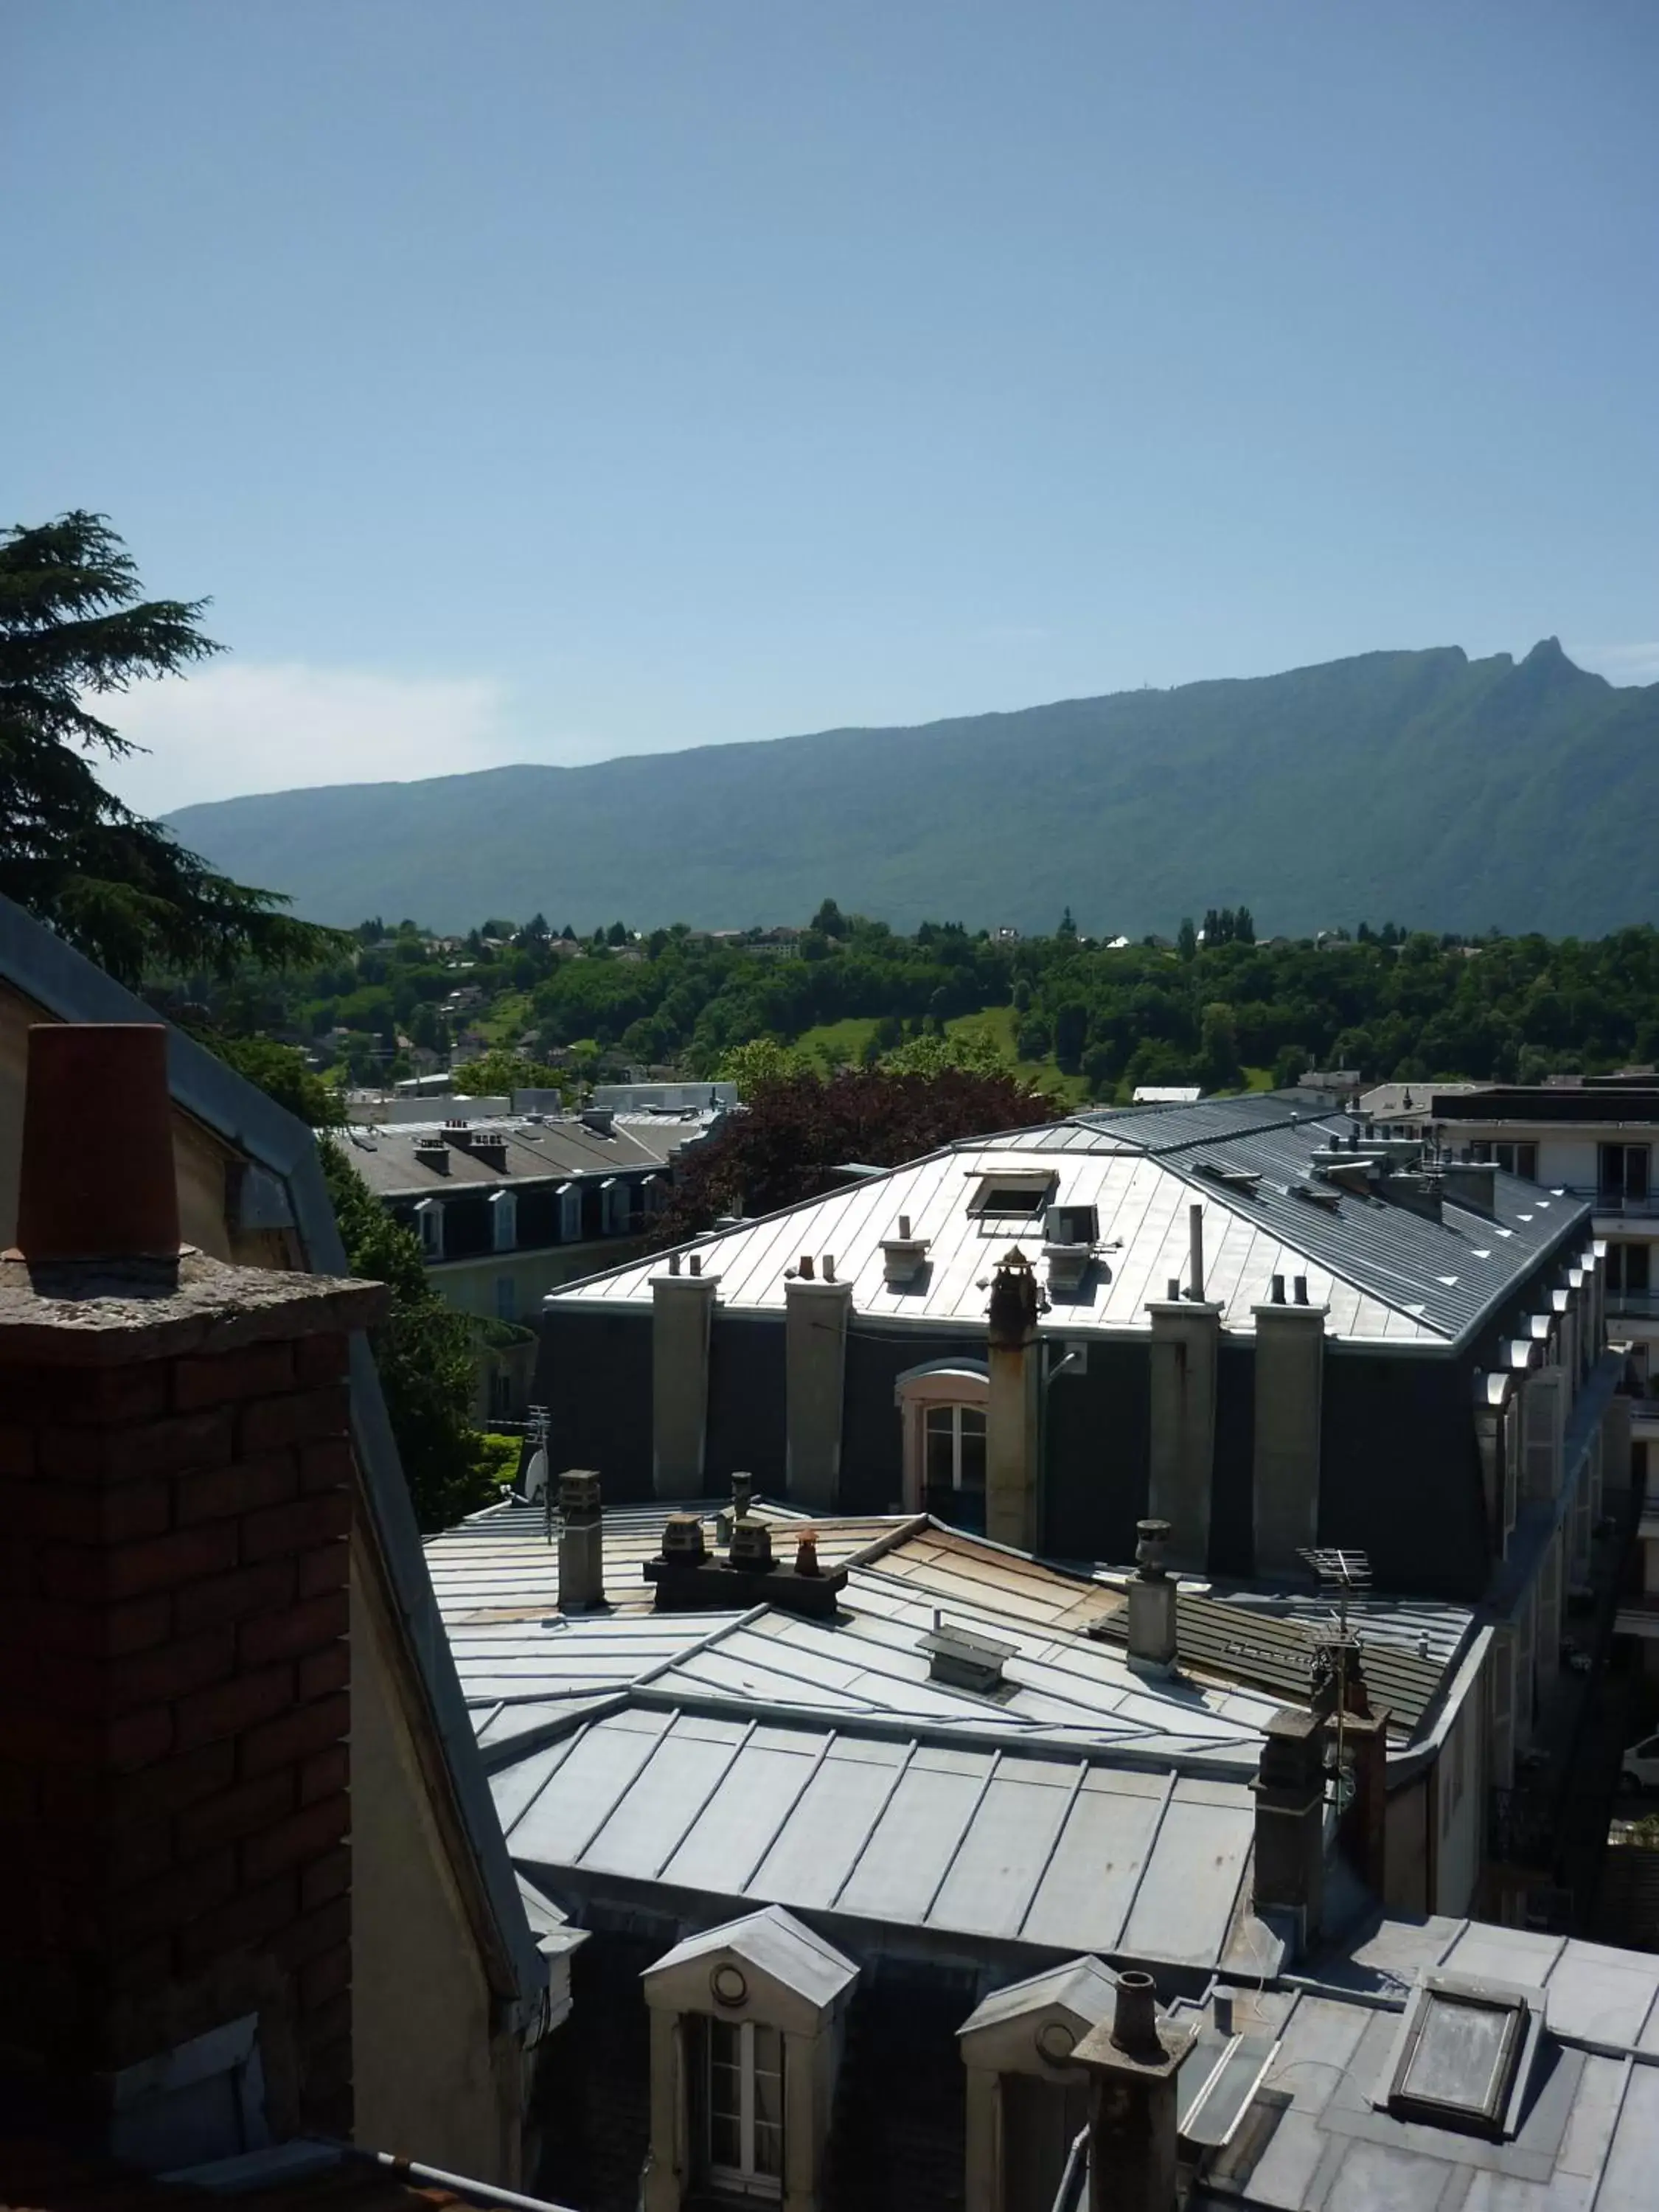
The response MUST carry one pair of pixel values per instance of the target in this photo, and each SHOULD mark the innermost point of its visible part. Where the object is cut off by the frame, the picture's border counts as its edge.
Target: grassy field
(504, 1021)
(844, 1042)
(839, 1043)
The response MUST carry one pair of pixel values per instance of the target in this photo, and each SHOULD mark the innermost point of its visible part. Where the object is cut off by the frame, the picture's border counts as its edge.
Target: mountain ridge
(1133, 807)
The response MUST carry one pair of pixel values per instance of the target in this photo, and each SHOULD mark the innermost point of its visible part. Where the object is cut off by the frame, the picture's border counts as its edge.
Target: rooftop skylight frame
(1499, 2023)
(1012, 1194)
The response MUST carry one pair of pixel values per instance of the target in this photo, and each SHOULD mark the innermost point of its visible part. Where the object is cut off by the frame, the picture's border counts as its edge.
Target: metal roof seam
(788, 1814)
(518, 1755)
(1042, 1876)
(736, 1753)
(1146, 1859)
(898, 1775)
(955, 1851)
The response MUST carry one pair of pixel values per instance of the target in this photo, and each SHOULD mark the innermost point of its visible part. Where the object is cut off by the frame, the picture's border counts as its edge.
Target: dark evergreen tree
(119, 887)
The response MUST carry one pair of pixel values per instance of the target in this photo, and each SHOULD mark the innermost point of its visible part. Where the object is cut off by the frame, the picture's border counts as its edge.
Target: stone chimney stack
(1290, 1369)
(581, 1542)
(176, 1485)
(1186, 1345)
(1152, 1600)
(1288, 1875)
(1133, 2065)
(1013, 1407)
(816, 1310)
(682, 1317)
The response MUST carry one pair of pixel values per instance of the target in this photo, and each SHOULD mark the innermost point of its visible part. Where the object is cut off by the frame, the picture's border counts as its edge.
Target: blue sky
(527, 380)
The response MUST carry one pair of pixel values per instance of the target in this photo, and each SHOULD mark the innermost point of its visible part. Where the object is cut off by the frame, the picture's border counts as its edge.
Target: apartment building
(874, 1831)
(508, 1206)
(1243, 1318)
(1589, 1139)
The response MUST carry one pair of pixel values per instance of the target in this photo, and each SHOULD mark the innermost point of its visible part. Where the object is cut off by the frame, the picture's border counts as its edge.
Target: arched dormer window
(941, 1408)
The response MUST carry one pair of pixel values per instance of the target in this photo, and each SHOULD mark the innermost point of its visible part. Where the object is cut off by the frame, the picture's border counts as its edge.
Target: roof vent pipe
(1279, 1291)
(1300, 1288)
(1195, 1237)
(1152, 1622)
(1134, 2017)
(829, 1266)
(674, 1263)
(806, 1266)
(1174, 1288)
(904, 1228)
(696, 1263)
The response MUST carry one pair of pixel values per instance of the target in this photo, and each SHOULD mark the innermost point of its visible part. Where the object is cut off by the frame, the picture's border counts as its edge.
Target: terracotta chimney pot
(98, 1181)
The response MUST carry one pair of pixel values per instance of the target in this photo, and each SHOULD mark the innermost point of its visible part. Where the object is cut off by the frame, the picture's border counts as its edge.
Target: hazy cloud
(1619, 664)
(247, 727)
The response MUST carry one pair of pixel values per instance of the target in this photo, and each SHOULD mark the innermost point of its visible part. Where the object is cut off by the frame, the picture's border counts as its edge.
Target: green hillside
(1465, 794)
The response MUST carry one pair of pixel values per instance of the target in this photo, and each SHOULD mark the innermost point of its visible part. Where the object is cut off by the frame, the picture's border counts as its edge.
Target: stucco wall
(430, 2081)
(202, 1164)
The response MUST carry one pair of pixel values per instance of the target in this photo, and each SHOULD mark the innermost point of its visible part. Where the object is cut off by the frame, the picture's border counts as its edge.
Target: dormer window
(570, 1213)
(504, 1220)
(429, 1225)
(1011, 1194)
(1459, 2059)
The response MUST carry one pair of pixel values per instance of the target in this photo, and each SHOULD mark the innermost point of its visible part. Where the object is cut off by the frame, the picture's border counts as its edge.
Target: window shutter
(1549, 1608)
(1522, 1698)
(1541, 1412)
(1511, 1467)
(1500, 1706)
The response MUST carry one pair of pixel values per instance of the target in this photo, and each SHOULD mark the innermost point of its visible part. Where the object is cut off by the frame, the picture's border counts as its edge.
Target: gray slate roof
(550, 1151)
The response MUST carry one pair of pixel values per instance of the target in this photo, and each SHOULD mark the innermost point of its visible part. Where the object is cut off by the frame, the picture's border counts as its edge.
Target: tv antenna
(1346, 1573)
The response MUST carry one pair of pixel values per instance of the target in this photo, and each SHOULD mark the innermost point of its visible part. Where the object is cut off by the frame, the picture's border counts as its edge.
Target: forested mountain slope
(1463, 794)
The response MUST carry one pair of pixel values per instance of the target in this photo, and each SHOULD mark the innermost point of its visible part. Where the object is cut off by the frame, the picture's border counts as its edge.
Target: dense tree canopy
(800, 1130)
(1387, 1001)
(73, 626)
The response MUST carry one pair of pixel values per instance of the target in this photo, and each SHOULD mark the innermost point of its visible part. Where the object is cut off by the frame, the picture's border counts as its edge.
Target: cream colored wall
(470, 1285)
(202, 1163)
(432, 2082)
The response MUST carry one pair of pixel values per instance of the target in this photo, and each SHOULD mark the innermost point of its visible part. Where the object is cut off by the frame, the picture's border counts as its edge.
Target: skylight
(1456, 2062)
(1012, 1195)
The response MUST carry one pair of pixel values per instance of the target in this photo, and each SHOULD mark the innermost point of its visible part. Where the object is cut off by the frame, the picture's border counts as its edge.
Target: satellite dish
(535, 1475)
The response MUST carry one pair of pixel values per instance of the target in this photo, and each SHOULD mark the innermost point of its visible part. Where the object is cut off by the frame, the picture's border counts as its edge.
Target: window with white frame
(942, 1408)
(953, 1474)
(744, 2107)
(429, 1224)
(619, 1205)
(570, 1215)
(504, 1220)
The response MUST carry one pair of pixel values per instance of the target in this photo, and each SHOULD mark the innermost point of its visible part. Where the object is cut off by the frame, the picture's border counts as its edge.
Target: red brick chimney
(176, 1485)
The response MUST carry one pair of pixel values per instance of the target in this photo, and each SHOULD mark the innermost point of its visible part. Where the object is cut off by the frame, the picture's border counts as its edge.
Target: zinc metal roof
(1086, 1987)
(524, 1666)
(1389, 1275)
(1587, 2139)
(500, 1565)
(775, 1942)
(1061, 1853)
